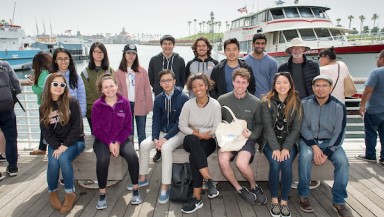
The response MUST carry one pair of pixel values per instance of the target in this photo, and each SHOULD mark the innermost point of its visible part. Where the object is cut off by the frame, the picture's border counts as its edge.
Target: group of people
(295, 108)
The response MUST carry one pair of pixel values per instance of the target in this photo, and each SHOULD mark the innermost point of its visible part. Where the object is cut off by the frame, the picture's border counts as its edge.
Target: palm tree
(350, 18)
(362, 18)
(338, 21)
(189, 27)
(194, 28)
(203, 26)
(200, 26)
(219, 24)
(374, 18)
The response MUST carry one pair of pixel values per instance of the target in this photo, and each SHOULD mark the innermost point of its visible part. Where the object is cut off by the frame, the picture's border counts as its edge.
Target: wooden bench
(259, 165)
(84, 166)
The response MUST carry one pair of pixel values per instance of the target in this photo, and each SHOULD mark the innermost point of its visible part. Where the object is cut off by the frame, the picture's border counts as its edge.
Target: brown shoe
(305, 205)
(68, 202)
(55, 201)
(37, 152)
(342, 210)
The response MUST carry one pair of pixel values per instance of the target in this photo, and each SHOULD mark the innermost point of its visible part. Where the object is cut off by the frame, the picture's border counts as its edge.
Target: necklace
(202, 106)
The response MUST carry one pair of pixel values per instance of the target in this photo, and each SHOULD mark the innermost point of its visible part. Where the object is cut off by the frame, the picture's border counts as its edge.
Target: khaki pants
(166, 155)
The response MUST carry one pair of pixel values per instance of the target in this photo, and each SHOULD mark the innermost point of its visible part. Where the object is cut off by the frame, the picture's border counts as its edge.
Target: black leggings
(103, 155)
(199, 151)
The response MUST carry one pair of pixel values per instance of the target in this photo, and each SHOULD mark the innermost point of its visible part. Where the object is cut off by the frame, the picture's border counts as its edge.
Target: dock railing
(29, 129)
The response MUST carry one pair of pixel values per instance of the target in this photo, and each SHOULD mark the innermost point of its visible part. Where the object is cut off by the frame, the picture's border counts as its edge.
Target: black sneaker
(212, 190)
(275, 210)
(261, 199)
(247, 195)
(2, 159)
(192, 205)
(12, 171)
(157, 156)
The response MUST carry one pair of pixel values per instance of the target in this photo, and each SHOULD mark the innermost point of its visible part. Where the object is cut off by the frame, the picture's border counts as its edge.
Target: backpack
(7, 102)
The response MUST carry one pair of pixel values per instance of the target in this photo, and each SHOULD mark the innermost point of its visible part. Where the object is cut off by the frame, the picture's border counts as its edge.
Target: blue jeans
(140, 123)
(8, 126)
(373, 124)
(274, 173)
(341, 172)
(65, 164)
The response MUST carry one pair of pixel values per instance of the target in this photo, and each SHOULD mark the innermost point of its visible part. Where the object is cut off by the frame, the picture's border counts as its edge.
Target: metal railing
(29, 129)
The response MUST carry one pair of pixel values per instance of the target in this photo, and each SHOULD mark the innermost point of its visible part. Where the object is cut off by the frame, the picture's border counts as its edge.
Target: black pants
(199, 151)
(103, 155)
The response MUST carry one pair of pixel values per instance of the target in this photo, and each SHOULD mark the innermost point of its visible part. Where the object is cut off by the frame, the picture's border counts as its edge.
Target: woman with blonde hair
(62, 126)
(281, 116)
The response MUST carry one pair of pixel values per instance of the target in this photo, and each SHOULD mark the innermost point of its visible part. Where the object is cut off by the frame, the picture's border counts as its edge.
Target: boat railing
(29, 129)
(366, 38)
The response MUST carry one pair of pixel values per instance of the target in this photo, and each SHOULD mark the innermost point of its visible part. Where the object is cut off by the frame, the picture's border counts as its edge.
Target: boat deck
(26, 194)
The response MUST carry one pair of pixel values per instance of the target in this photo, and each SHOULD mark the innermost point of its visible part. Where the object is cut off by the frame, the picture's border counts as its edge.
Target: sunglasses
(56, 84)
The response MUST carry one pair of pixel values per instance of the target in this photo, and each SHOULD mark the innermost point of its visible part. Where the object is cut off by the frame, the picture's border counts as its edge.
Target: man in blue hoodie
(166, 135)
(167, 59)
(322, 134)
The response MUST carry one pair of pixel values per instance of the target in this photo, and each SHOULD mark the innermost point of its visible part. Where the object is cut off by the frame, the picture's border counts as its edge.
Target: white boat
(311, 23)
(15, 46)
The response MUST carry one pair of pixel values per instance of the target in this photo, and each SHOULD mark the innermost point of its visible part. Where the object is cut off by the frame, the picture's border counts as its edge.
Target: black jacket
(218, 76)
(310, 68)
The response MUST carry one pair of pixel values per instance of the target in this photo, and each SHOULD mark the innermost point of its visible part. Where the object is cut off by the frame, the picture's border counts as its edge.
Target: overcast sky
(156, 17)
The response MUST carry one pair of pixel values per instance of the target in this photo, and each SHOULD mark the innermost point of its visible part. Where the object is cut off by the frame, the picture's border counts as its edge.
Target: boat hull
(18, 59)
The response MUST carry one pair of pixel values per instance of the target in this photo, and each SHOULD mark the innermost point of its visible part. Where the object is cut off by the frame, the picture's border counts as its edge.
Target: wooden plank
(206, 210)
(263, 210)
(175, 210)
(230, 202)
(217, 204)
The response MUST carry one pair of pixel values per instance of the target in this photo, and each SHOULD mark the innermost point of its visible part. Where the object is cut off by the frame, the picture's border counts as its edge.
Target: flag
(243, 9)
(68, 31)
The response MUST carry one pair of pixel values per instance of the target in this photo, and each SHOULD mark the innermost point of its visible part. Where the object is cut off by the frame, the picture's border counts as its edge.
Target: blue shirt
(228, 77)
(375, 80)
(264, 70)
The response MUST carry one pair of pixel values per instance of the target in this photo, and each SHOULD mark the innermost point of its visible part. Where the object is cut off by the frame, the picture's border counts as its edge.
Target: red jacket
(143, 92)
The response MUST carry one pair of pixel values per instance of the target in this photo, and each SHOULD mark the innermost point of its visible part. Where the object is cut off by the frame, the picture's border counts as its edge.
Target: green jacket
(38, 89)
(90, 83)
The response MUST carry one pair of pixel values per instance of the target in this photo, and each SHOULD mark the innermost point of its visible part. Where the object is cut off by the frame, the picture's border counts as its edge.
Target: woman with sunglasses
(281, 116)
(63, 63)
(133, 83)
(97, 66)
(62, 126)
(112, 125)
(42, 66)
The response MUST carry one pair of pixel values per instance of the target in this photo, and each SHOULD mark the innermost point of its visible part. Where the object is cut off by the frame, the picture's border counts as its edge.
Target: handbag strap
(338, 75)
(230, 111)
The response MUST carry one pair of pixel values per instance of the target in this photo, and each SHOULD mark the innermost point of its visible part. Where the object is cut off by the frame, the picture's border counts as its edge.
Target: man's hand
(246, 133)
(317, 154)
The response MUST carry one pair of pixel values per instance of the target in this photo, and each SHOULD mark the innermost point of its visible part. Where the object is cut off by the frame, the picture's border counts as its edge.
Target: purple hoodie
(111, 124)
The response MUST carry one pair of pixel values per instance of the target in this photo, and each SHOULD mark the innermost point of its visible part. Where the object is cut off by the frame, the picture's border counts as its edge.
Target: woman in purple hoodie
(112, 125)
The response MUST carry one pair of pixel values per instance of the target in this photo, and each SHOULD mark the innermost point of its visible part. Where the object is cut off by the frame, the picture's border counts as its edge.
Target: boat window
(319, 13)
(282, 40)
(254, 20)
(323, 34)
(277, 13)
(269, 18)
(305, 12)
(246, 21)
(275, 38)
(291, 12)
(261, 17)
(337, 35)
(307, 34)
(289, 34)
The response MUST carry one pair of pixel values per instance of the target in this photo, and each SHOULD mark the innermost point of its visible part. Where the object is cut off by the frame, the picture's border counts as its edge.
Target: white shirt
(332, 71)
(130, 80)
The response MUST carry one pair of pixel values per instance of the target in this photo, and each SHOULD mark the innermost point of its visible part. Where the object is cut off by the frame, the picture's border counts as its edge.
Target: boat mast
(13, 15)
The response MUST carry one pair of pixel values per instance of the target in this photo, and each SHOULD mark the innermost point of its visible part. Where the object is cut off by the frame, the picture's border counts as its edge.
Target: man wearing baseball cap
(322, 134)
(300, 67)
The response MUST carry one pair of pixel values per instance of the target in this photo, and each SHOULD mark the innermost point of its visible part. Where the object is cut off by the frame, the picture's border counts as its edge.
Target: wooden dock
(26, 194)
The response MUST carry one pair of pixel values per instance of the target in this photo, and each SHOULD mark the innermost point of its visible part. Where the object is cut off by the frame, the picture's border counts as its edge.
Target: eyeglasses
(65, 60)
(98, 52)
(167, 81)
(57, 84)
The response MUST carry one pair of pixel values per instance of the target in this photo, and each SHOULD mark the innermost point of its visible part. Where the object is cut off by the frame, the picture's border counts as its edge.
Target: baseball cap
(323, 77)
(130, 48)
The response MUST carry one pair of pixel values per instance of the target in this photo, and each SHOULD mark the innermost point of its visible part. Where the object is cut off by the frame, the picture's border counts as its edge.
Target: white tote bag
(229, 135)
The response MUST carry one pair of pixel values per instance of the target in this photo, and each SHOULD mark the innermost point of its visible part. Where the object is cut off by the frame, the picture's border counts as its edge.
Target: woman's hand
(276, 155)
(205, 135)
(284, 155)
(56, 153)
(114, 148)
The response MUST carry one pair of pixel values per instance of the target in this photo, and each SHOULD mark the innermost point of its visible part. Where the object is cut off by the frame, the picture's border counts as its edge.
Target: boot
(68, 202)
(55, 201)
